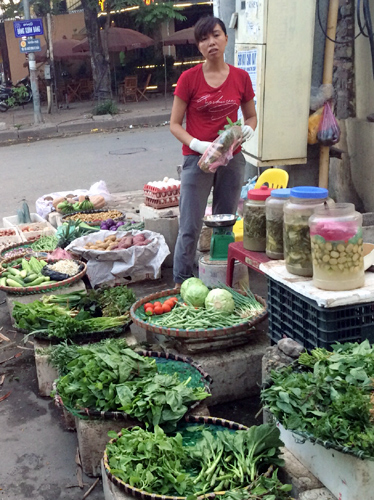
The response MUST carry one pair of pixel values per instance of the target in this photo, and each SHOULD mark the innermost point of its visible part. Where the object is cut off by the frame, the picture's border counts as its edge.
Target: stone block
(296, 474)
(45, 372)
(2, 126)
(168, 227)
(236, 371)
(41, 131)
(111, 491)
(93, 438)
(154, 213)
(8, 136)
(317, 494)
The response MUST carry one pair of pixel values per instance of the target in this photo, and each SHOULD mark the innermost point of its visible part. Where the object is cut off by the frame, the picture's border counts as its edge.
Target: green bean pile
(189, 318)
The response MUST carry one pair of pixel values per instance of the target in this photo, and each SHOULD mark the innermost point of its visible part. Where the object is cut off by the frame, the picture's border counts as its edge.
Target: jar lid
(281, 193)
(309, 192)
(259, 194)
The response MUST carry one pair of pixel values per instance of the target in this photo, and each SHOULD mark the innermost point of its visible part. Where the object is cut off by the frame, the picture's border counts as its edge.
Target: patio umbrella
(120, 39)
(181, 37)
(62, 49)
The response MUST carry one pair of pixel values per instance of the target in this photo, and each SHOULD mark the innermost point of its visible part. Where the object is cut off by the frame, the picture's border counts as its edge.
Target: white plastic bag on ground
(44, 207)
(104, 266)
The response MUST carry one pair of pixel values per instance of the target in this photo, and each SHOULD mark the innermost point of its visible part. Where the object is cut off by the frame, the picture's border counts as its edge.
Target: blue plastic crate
(297, 317)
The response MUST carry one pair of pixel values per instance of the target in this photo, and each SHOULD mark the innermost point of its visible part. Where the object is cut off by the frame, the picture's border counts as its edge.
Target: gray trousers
(195, 189)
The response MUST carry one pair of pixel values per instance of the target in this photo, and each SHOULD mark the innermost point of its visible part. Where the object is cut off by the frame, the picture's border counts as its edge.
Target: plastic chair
(276, 178)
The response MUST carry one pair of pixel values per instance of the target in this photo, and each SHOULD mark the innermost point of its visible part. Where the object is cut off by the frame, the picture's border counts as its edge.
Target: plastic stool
(253, 260)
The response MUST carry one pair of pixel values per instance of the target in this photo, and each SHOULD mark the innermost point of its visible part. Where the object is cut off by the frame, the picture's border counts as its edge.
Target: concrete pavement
(17, 125)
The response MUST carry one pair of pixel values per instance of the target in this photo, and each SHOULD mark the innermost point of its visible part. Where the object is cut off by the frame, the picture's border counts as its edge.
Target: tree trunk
(4, 52)
(99, 63)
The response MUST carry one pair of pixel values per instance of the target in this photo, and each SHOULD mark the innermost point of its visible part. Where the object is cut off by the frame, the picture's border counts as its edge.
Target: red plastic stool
(250, 259)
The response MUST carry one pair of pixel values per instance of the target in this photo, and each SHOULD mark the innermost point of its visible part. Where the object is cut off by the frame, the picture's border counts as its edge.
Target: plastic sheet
(104, 266)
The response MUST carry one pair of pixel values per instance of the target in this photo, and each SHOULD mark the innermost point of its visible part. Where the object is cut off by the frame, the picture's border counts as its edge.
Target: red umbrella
(120, 39)
(181, 37)
(62, 49)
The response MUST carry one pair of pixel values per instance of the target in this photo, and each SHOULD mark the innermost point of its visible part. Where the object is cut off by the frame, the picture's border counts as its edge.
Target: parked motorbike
(10, 97)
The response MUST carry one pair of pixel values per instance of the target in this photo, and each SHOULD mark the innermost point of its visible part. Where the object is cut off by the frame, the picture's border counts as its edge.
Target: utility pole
(33, 78)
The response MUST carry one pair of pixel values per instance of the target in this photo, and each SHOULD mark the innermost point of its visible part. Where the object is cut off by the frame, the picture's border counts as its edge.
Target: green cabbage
(193, 291)
(220, 300)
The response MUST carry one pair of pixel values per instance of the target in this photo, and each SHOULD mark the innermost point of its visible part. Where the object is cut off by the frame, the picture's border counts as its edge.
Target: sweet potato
(126, 242)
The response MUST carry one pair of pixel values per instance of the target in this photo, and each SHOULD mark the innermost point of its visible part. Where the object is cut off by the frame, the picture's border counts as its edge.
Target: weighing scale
(222, 236)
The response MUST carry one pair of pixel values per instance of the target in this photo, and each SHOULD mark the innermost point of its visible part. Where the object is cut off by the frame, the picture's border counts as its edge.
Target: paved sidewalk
(18, 124)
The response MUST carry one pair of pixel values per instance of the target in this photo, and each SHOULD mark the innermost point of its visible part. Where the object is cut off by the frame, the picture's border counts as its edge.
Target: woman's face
(213, 45)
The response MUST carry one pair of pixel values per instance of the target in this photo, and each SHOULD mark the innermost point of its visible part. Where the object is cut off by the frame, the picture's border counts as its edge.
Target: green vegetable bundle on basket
(198, 460)
(108, 377)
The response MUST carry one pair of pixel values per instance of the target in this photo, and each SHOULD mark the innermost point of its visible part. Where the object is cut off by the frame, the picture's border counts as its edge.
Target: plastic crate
(41, 229)
(161, 198)
(13, 220)
(301, 319)
(6, 241)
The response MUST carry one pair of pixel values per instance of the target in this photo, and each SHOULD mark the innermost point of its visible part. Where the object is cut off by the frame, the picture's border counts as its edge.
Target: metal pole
(33, 77)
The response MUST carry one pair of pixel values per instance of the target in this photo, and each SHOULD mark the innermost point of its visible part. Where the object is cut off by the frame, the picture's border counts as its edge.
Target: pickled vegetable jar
(274, 222)
(296, 237)
(337, 247)
(254, 215)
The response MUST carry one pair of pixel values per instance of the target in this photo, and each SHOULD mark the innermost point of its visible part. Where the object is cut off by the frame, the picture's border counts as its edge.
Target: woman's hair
(205, 26)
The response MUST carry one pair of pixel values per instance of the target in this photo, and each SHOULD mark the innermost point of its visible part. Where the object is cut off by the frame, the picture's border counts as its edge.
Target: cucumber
(18, 279)
(39, 281)
(3, 281)
(13, 271)
(25, 265)
(23, 273)
(11, 282)
(31, 277)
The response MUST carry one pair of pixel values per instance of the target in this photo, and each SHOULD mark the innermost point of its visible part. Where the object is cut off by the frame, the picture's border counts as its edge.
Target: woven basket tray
(198, 333)
(66, 217)
(22, 247)
(120, 415)
(30, 290)
(135, 492)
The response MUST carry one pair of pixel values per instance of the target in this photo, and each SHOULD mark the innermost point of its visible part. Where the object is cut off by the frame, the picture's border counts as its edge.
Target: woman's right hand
(199, 146)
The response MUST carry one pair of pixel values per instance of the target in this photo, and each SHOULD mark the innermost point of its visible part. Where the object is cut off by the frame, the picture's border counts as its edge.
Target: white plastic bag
(44, 207)
(104, 266)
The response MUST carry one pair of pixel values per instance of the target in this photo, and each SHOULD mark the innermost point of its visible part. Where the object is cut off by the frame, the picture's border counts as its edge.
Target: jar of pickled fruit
(337, 247)
(296, 237)
(254, 215)
(274, 222)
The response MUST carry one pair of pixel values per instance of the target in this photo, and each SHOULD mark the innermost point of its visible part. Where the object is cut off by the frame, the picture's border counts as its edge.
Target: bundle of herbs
(328, 396)
(109, 301)
(109, 377)
(213, 461)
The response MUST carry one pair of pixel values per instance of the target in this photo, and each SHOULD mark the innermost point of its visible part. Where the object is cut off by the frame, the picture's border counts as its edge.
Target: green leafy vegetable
(328, 396)
(220, 460)
(220, 300)
(194, 292)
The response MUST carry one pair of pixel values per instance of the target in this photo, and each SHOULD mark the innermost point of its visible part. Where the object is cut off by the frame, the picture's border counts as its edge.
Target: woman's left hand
(247, 132)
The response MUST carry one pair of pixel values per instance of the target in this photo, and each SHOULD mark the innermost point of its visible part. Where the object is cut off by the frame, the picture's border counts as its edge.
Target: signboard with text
(28, 27)
(30, 45)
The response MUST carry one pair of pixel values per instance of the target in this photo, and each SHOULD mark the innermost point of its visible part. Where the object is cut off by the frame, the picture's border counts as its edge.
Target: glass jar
(274, 222)
(337, 247)
(254, 215)
(296, 238)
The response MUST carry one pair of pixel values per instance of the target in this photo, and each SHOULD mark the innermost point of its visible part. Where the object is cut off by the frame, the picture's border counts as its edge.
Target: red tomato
(168, 302)
(157, 304)
(158, 310)
(166, 308)
(149, 311)
(173, 299)
(147, 305)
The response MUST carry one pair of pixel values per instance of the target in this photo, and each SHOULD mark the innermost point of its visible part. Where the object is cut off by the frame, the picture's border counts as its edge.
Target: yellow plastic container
(238, 230)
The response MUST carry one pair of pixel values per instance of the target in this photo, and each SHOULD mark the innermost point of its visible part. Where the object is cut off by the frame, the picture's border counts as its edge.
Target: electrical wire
(327, 36)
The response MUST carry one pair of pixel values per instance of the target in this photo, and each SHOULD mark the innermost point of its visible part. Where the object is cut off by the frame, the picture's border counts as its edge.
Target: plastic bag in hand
(328, 131)
(221, 151)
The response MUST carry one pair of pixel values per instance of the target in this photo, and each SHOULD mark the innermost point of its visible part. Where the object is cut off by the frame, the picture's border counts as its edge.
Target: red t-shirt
(208, 107)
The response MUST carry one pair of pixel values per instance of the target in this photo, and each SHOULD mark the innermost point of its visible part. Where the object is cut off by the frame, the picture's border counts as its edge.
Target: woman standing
(207, 94)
